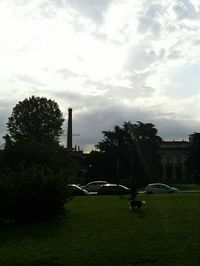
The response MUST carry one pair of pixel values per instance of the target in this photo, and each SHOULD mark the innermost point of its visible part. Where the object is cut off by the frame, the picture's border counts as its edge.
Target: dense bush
(32, 194)
(32, 152)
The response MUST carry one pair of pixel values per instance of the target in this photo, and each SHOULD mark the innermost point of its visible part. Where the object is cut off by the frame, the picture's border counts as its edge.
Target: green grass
(101, 230)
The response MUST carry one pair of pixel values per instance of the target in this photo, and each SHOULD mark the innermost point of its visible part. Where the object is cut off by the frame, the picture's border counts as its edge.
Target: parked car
(75, 190)
(113, 189)
(159, 188)
(93, 186)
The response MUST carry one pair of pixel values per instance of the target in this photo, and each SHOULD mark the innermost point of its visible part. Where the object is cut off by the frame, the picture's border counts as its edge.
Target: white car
(159, 188)
(75, 190)
(94, 186)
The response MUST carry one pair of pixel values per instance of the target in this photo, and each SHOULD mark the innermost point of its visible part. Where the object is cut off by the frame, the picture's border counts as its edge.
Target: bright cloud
(110, 60)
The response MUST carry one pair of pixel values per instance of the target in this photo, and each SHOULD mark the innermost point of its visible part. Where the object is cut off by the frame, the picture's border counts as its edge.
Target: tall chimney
(69, 130)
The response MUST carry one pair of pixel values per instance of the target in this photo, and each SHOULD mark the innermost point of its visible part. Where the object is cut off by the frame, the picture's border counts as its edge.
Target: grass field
(101, 230)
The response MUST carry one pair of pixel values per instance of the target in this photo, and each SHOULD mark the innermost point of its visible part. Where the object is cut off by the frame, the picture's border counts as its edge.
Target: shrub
(29, 152)
(32, 194)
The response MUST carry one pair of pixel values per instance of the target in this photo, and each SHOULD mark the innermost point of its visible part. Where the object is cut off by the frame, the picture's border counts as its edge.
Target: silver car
(93, 186)
(159, 188)
(75, 190)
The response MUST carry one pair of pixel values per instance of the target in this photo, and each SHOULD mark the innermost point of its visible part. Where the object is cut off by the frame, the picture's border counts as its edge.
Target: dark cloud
(180, 11)
(174, 54)
(90, 9)
(138, 83)
(173, 129)
(138, 77)
(191, 85)
(93, 9)
(47, 9)
(142, 57)
(91, 124)
(101, 36)
(94, 114)
(154, 10)
(149, 22)
(149, 25)
(184, 9)
(104, 117)
(136, 89)
(59, 3)
(134, 92)
(71, 98)
(197, 42)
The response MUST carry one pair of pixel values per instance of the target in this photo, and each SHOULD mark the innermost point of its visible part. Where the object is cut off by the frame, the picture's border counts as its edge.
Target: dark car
(75, 190)
(113, 189)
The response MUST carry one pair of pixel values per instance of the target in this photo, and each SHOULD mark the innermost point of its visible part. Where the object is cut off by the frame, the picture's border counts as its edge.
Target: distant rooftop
(175, 144)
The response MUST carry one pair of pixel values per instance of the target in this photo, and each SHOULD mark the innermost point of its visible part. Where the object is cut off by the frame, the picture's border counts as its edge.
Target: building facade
(174, 157)
(180, 159)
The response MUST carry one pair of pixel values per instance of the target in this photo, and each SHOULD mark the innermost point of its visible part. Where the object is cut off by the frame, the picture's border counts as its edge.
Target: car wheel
(150, 192)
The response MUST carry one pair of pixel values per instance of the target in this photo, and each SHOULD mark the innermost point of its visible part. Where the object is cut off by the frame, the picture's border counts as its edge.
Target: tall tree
(33, 183)
(147, 142)
(132, 150)
(194, 159)
(35, 118)
(34, 128)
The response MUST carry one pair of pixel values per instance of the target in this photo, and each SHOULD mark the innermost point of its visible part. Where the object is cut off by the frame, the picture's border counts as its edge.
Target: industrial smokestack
(69, 130)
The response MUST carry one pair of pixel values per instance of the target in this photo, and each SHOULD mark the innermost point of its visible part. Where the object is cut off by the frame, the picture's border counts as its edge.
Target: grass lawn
(101, 230)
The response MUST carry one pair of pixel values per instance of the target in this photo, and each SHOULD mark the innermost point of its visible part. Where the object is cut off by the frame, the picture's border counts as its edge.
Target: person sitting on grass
(133, 203)
(134, 191)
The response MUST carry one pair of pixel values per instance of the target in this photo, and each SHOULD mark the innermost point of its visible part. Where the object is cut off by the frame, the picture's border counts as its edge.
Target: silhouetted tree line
(130, 151)
(35, 168)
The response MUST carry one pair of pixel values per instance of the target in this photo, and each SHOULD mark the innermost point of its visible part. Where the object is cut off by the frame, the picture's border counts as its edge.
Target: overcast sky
(109, 60)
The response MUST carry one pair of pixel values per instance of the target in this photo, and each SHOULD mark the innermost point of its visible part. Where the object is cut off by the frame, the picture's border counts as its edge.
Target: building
(175, 156)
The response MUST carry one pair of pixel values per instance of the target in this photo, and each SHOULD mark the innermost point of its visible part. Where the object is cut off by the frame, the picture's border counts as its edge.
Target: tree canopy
(35, 118)
(33, 181)
(129, 150)
(194, 159)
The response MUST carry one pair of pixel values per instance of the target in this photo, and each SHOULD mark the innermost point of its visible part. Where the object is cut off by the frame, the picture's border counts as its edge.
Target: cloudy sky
(109, 60)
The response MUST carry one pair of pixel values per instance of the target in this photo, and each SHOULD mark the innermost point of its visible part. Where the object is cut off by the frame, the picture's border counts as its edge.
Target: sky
(109, 60)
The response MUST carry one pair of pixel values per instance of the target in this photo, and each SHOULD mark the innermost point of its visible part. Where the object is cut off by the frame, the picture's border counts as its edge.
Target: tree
(131, 150)
(147, 142)
(33, 185)
(35, 119)
(34, 129)
(116, 154)
(194, 159)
